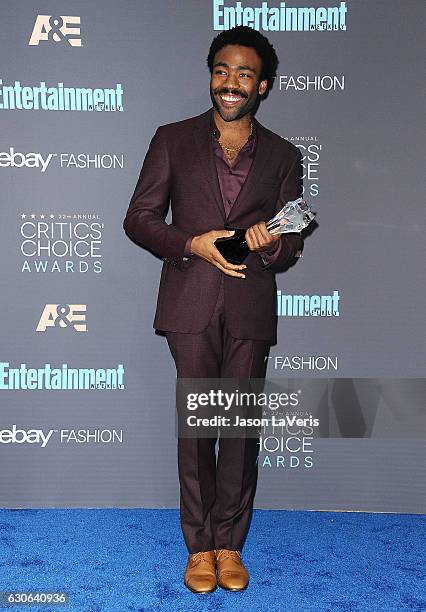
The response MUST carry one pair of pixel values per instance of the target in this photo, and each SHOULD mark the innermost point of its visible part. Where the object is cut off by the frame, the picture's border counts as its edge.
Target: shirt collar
(216, 132)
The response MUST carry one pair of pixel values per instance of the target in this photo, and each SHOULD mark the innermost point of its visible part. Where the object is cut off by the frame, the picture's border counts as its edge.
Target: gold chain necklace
(233, 149)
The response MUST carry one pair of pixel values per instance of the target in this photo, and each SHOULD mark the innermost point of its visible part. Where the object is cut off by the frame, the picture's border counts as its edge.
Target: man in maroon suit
(220, 169)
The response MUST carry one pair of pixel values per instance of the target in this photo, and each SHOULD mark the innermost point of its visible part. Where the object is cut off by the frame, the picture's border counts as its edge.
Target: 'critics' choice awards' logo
(61, 242)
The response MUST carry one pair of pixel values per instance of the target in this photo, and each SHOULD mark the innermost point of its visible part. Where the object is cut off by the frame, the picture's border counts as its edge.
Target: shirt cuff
(269, 257)
(187, 250)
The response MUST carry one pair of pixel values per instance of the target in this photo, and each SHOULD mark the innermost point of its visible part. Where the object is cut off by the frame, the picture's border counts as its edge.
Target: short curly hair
(247, 37)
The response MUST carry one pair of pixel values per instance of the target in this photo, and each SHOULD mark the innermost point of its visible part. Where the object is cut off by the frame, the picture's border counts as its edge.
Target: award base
(234, 249)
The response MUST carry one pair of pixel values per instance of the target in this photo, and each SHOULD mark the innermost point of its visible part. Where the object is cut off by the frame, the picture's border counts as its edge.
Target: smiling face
(234, 83)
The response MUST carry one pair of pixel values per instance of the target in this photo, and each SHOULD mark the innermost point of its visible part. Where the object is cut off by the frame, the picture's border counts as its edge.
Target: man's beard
(232, 113)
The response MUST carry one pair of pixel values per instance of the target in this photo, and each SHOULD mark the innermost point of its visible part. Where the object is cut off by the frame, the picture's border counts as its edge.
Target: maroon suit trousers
(216, 495)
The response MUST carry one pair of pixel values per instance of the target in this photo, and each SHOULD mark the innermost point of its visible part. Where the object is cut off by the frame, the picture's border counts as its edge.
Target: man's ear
(263, 86)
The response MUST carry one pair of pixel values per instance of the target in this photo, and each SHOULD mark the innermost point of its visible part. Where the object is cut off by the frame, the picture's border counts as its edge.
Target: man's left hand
(258, 238)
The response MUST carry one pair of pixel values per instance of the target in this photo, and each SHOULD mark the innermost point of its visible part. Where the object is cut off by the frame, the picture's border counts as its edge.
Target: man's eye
(244, 74)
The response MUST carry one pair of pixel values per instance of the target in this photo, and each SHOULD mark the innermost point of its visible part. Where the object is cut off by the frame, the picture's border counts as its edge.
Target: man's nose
(231, 81)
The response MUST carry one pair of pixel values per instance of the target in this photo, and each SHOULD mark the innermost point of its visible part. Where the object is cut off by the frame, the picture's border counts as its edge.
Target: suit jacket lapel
(206, 160)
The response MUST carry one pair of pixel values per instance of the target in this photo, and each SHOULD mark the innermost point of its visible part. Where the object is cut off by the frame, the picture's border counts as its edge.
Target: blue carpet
(119, 560)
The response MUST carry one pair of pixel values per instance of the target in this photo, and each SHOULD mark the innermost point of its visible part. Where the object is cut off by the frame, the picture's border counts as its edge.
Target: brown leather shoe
(231, 573)
(200, 573)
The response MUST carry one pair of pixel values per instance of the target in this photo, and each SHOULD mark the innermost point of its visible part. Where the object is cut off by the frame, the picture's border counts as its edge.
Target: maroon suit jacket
(179, 168)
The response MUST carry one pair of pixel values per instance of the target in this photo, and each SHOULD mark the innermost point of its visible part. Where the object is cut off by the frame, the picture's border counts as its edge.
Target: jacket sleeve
(144, 221)
(291, 189)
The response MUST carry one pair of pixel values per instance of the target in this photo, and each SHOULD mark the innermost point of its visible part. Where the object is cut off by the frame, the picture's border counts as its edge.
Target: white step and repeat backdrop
(77, 294)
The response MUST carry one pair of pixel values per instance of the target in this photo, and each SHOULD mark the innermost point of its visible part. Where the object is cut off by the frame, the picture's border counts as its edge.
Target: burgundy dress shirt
(231, 179)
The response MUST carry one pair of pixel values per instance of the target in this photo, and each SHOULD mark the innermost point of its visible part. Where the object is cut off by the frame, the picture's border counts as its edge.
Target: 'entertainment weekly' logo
(61, 243)
(64, 316)
(59, 379)
(308, 305)
(61, 28)
(60, 98)
(280, 18)
(42, 162)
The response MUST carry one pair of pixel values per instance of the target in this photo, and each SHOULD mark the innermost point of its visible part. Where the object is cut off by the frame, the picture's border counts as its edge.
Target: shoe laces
(223, 553)
(202, 555)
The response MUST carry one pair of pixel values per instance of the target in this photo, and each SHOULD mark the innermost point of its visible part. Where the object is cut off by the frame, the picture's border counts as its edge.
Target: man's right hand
(203, 246)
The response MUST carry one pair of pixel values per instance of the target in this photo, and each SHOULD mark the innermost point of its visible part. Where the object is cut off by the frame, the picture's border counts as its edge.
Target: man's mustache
(231, 92)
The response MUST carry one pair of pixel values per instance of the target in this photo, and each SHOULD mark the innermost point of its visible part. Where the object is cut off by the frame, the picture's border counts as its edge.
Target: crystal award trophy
(293, 217)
